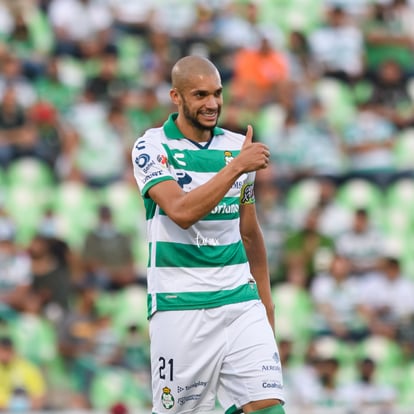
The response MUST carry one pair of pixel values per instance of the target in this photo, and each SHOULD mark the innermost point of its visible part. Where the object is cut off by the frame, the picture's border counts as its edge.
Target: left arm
(256, 254)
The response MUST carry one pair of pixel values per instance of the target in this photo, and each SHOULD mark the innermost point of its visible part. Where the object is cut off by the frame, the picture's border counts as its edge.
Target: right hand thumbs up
(249, 136)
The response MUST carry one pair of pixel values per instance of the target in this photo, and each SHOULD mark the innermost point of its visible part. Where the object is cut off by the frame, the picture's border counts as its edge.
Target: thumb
(249, 136)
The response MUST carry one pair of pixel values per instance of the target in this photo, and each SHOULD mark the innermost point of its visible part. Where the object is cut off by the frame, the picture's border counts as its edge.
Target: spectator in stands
(337, 46)
(388, 34)
(99, 153)
(334, 219)
(302, 66)
(369, 139)
(338, 310)
(51, 86)
(286, 151)
(75, 334)
(390, 96)
(366, 392)
(12, 76)
(275, 219)
(12, 120)
(389, 297)
(53, 145)
(107, 253)
(51, 276)
(362, 244)
(23, 387)
(261, 73)
(323, 153)
(15, 275)
(108, 84)
(74, 21)
(316, 383)
(303, 246)
(144, 110)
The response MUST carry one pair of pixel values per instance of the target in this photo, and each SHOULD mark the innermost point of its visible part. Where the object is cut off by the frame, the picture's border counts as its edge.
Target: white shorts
(199, 356)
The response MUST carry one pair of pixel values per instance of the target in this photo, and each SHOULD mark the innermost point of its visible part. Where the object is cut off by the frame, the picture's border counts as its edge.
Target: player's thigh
(186, 353)
(251, 370)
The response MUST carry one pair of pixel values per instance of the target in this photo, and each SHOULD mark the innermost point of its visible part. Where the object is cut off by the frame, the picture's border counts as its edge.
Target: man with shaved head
(210, 309)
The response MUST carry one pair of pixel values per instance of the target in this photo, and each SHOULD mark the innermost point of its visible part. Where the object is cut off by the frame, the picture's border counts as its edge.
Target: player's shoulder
(151, 135)
(233, 136)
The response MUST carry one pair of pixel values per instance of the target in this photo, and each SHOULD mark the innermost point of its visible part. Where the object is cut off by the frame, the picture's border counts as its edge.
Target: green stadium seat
(75, 206)
(293, 314)
(406, 395)
(35, 338)
(403, 151)
(337, 99)
(360, 193)
(303, 195)
(127, 207)
(386, 353)
(26, 205)
(30, 172)
(114, 385)
(130, 308)
(401, 193)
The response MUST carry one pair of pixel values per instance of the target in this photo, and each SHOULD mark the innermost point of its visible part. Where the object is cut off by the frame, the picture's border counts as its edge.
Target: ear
(175, 96)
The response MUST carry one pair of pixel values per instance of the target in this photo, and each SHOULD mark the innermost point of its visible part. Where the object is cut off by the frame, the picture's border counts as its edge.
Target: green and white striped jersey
(205, 265)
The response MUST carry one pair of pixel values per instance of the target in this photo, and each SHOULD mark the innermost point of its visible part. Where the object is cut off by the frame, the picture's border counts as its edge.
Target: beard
(193, 120)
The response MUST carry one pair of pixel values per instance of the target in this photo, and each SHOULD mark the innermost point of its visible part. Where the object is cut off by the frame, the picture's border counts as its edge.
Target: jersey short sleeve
(150, 163)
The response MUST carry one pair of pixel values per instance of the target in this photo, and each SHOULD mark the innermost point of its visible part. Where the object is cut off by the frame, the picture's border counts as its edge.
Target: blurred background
(327, 85)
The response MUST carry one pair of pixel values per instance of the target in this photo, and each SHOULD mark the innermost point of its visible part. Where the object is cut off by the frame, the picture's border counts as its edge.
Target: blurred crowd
(326, 84)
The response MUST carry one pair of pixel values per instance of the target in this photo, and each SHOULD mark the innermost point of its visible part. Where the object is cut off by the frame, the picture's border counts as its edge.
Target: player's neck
(192, 132)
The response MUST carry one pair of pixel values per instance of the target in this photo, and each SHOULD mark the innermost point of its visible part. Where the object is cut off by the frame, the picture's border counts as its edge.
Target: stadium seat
(293, 314)
(403, 151)
(303, 195)
(130, 308)
(35, 338)
(337, 99)
(387, 355)
(26, 205)
(397, 221)
(401, 193)
(75, 206)
(406, 387)
(126, 205)
(114, 385)
(29, 172)
(360, 193)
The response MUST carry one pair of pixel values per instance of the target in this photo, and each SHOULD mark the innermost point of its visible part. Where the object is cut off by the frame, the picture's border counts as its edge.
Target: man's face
(201, 102)
(6, 354)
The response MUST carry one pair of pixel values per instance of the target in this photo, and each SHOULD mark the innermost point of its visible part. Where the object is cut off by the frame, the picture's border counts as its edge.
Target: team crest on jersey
(167, 398)
(228, 157)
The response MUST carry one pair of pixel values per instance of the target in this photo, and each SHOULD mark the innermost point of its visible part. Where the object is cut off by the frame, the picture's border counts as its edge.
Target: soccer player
(211, 316)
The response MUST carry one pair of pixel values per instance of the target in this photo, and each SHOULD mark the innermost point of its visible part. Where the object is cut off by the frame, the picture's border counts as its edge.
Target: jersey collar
(172, 132)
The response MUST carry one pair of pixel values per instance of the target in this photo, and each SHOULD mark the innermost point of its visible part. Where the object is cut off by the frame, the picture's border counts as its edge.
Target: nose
(212, 102)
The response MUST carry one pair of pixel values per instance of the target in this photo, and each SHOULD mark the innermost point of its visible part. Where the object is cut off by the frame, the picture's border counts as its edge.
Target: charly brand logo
(167, 398)
(179, 158)
(183, 178)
